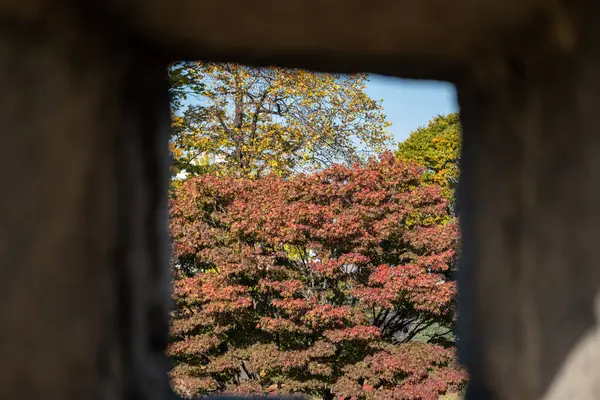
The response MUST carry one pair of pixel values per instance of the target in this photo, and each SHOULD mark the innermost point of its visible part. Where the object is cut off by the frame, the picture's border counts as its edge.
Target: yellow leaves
(279, 120)
(177, 121)
(175, 151)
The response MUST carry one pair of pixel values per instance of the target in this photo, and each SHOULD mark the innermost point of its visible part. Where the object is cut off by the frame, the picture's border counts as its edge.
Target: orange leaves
(285, 288)
(188, 289)
(412, 371)
(197, 345)
(302, 284)
(362, 333)
(389, 286)
(320, 369)
(280, 325)
(326, 316)
(293, 307)
(187, 385)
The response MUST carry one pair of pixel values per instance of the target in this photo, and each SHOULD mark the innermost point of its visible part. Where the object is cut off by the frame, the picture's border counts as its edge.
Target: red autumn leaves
(318, 284)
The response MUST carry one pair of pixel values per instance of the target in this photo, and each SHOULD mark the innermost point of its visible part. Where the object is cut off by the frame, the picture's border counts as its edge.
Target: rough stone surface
(420, 39)
(529, 200)
(83, 247)
(83, 167)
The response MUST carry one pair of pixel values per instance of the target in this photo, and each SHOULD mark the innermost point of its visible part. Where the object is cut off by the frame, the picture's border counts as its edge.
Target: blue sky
(410, 104)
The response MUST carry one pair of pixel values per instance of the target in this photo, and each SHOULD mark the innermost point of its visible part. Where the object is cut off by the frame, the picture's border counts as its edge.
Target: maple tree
(437, 148)
(317, 284)
(254, 121)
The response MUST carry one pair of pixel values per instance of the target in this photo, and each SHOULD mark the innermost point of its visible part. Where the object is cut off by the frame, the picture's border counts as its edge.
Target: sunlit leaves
(436, 147)
(315, 284)
(250, 122)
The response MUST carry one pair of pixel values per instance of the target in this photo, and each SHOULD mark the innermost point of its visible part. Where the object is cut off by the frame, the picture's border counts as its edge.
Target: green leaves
(437, 148)
(183, 82)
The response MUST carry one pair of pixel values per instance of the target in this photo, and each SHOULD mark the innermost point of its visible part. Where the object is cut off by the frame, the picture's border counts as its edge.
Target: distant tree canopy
(249, 122)
(317, 284)
(437, 148)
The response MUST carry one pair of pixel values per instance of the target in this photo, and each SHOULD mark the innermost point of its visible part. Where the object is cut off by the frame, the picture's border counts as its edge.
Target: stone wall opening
(83, 239)
(266, 149)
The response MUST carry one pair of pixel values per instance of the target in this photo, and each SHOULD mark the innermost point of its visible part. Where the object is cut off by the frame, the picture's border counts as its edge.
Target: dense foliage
(437, 148)
(254, 121)
(317, 284)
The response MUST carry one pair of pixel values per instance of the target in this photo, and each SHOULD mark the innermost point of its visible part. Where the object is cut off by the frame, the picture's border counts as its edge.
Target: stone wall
(84, 290)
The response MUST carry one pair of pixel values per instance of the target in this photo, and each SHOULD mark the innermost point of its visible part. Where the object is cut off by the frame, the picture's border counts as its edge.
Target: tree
(253, 121)
(437, 148)
(317, 284)
(183, 83)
